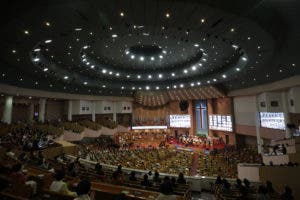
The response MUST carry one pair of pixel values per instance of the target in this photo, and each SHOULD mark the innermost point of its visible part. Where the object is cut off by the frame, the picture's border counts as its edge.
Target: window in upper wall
(262, 104)
(87, 108)
(105, 108)
(292, 102)
(83, 108)
(274, 103)
(124, 108)
(128, 108)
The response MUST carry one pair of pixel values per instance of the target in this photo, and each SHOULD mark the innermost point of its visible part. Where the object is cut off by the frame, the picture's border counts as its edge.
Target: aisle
(194, 166)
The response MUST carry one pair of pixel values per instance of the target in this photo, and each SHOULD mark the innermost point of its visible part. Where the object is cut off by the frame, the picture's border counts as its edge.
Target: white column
(93, 111)
(7, 112)
(285, 109)
(31, 113)
(42, 107)
(114, 111)
(257, 126)
(70, 107)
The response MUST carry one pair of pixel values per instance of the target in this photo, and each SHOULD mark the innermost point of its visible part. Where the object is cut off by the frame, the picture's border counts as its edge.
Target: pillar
(285, 109)
(70, 107)
(42, 108)
(115, 111)
(7, 112)
(257, 126)
(93, 111)
(31, 113)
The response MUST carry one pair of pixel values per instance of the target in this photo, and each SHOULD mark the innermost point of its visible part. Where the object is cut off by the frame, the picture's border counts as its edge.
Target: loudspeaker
(183, 105)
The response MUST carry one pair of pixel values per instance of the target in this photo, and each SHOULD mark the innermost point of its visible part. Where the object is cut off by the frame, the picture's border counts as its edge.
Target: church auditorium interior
(150, 99)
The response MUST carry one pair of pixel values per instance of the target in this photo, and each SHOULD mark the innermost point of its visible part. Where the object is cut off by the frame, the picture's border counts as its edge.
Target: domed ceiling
(119, 47)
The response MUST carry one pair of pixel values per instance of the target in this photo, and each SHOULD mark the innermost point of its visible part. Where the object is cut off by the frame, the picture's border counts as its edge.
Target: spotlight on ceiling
(48, 41)
(160, 56)
(142, 58)
(36, 59)
(66, 77)
(149, 76)
(147, 88)
(138, 76)
(152, 58)
(244, 58)
(167, 15)
(224, 76)
(192, 84)
(132, 56)
(122, 14)
(185, 71)
(173, 74)
(26, 32)
(157, 87)
(160, 75)
(85, 83)
(114, 35)
(196, 45)
(202, 20)
(78, 29)
(104, 71)
(45, 69)
(194, 68)
(237, 69)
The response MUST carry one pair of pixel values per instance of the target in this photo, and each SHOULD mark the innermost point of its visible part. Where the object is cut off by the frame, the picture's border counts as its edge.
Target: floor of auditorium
(202, 196)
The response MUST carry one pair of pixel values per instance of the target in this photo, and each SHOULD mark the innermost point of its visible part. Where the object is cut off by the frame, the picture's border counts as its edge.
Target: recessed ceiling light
(237, 69)
(232, 29)
(198, 83)
(66, 77)
(149, 76)
(204, 59)
(104, 86)
(127, 52)
(26, 32)
(173, 74)
(114, 35)
(85, 83)
(138, 76)
(36, 59)
(122, 14)
(194, 67)
(293, 64)
(110, 73)
(92, 66)
(37, 50)
(224, 76)
(214, 80)
(249, 38)
(174, 86)
(147, 87)
(142, 58)
(208, 81)
(160, 56)
(185, 71)
(45, 69)
(168, 87)
(235, 46)
(181, 85)
(117, 74)
(78, 29)
(104, 71)
(202, 20)
(167, 15)
(85, 47)
(164, 51)
(128, 76)
(244, 58)
(192, 84)
(133, 88)
(48, 41)
(200, 64)
(152, 58)
(14, 51)
(47, 24)
(157, 87)
(196, 45)
(132, 56)
(122, 87)
(160, 75)
(87, 63)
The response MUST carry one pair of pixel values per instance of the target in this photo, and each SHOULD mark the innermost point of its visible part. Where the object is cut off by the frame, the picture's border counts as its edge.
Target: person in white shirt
(82, 190)
(59, 185)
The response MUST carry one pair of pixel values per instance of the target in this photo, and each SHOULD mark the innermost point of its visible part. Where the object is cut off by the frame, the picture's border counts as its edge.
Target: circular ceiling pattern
(120, 47)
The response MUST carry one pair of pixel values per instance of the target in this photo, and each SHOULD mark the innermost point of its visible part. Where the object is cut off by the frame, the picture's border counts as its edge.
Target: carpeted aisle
(194, 167)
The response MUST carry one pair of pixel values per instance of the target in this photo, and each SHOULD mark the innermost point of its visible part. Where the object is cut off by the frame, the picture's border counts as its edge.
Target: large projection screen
(180, 121)
(273, 120)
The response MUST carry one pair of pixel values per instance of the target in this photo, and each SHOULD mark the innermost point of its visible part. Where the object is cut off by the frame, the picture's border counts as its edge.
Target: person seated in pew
(156, 178)
(262, 193)
(132, 176)
(83, 188)
(18, 178)
(288, 194)
(59, 186)
(99, 170)
(146, 181)
(181, 179)
(166, 190)
(116, 178)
